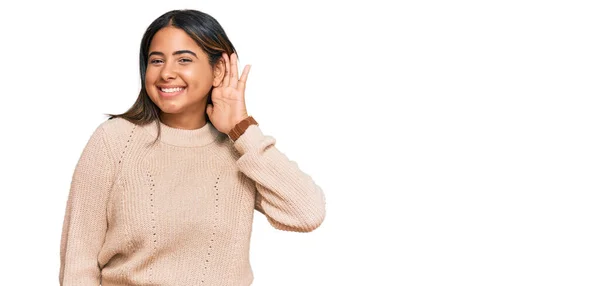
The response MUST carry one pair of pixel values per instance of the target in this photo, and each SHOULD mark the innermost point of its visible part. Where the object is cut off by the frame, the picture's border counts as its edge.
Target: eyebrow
(174, 53)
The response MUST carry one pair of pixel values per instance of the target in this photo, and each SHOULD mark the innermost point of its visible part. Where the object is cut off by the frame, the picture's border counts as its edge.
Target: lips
(170, 91)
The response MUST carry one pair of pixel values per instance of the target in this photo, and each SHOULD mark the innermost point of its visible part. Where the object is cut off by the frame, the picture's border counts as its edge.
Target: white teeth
(173, 89)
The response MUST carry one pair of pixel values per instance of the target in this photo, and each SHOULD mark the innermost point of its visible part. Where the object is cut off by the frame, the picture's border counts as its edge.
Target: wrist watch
(241, 127)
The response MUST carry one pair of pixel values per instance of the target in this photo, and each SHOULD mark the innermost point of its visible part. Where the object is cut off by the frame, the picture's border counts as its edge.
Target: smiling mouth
(171, 89)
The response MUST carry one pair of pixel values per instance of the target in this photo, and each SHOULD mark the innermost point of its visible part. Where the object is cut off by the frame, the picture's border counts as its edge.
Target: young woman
(165, 193)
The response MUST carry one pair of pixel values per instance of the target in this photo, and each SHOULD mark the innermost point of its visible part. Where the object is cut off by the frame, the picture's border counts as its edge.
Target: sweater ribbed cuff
(250, 140)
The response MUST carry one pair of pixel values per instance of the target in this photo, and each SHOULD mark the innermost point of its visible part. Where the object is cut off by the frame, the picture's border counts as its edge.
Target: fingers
(227, 77)
(234, 70)
(209, 110)
(231, 73)
(242, 83)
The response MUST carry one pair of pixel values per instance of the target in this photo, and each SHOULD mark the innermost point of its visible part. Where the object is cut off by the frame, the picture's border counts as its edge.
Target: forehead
(172, 39)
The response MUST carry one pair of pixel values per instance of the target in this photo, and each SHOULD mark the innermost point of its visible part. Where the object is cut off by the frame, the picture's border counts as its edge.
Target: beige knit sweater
(179, 212)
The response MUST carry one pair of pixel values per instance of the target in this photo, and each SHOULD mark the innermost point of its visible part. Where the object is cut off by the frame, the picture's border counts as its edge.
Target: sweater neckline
(184, 137)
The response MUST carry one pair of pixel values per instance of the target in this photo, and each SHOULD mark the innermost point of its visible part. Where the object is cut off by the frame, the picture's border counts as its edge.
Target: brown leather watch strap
(241, 127)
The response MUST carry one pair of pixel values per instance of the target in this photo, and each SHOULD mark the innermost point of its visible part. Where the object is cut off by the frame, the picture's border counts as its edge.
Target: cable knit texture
(178, 212)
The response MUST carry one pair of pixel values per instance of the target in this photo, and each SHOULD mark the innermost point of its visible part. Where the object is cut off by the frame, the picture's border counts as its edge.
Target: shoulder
(116, 124)
(117, 127)
(116, 130)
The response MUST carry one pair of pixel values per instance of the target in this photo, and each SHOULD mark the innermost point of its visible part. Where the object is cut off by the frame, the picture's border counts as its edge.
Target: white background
(457, 142)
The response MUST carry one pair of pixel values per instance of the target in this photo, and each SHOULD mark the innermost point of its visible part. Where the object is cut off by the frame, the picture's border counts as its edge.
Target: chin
(170, 109)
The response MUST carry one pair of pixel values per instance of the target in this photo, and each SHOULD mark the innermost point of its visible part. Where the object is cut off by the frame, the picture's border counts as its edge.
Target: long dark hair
(206, 32)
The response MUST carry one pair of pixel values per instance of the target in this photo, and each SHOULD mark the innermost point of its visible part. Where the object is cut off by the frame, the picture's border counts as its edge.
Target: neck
(192, 121)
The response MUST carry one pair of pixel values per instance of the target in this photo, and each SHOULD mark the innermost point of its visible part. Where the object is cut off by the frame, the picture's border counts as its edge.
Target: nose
(168, 72)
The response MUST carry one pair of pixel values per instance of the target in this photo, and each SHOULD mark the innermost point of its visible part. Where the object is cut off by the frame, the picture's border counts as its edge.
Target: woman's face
(179, 75)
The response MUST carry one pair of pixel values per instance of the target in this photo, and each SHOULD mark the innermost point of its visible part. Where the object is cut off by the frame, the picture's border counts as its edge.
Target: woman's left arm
(288, 197)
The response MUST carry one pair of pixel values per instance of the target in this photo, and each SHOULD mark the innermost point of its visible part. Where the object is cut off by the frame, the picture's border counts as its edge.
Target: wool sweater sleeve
(85, 221)
(288, 197)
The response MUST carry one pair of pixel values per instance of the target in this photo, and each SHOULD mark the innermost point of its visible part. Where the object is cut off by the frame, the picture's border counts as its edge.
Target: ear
(218, 72)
